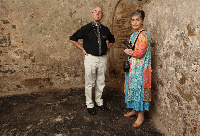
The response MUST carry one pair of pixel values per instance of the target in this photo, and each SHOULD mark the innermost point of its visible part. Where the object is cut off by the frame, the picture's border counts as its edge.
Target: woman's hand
(128, 52)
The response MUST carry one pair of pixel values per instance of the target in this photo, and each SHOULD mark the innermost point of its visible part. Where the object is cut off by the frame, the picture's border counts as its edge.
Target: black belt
(98, 55)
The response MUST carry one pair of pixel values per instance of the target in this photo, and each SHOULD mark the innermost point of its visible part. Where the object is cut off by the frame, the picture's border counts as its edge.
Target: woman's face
(137, 22)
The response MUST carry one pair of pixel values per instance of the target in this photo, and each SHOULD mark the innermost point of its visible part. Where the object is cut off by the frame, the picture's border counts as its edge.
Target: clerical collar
(95, 24)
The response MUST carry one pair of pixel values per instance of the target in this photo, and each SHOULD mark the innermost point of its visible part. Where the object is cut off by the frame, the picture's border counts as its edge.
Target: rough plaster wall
(35, 52)
(174, 28)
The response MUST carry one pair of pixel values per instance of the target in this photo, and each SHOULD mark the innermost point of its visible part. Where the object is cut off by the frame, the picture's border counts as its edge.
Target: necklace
(98, 36)
(98, 31)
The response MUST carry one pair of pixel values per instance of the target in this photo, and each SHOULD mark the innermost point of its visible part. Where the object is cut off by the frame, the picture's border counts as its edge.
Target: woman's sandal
(129, 114)
(138, 124)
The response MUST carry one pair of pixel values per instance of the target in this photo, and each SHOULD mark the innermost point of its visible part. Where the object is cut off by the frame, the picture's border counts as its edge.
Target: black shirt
(94, 43)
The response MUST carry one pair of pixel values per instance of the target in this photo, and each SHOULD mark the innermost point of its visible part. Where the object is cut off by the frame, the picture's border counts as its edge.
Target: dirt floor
(63, 113)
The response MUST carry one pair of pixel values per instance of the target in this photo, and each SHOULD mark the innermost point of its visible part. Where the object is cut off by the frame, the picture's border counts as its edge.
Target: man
(94, 51)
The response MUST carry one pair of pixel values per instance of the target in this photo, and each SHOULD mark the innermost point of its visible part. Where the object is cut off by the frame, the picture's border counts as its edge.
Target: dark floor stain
(63, 113)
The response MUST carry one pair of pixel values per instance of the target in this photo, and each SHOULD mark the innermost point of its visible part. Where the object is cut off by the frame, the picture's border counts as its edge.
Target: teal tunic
(138, 79)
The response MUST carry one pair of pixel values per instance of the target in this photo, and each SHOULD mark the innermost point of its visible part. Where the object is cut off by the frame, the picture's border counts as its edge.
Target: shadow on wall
(154, 76)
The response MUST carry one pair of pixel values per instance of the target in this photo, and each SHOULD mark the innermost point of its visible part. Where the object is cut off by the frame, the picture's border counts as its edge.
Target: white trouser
(95, 70)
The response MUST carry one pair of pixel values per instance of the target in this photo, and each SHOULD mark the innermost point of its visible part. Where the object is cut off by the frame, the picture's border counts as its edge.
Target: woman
(138, 80)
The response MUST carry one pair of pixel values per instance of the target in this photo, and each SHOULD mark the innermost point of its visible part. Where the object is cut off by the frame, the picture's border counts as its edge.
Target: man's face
(97, 14)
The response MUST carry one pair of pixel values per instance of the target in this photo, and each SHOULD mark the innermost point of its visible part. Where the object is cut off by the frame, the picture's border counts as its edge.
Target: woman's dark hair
(138, 12)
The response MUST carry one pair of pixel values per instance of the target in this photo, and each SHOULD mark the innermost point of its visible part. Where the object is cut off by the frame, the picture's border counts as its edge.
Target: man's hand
(108, 47)
(84, 53)
(81, 48)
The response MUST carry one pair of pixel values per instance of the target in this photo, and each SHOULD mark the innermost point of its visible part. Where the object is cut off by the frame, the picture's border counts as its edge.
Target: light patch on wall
(56, 56)
(194, 40)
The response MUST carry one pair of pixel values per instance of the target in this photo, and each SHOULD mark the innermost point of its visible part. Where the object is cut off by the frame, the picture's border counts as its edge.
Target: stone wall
(35, 52)
(34, 43)
(174, 26)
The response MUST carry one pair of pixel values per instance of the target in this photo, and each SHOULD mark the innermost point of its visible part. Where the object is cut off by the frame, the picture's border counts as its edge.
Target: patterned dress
(138, 80)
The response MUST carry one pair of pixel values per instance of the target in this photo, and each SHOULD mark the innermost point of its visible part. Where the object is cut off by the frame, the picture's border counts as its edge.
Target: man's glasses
(97, 12)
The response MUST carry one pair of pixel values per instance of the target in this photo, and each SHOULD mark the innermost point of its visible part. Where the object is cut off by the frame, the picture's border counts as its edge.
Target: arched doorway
(122, 30)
